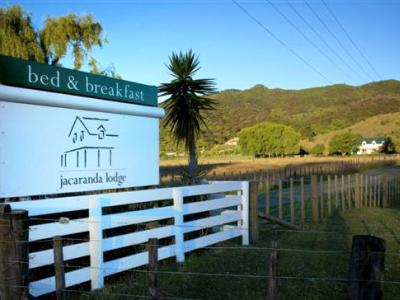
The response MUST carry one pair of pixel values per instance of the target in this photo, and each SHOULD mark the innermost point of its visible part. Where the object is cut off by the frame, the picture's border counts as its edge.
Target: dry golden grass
(238, 164)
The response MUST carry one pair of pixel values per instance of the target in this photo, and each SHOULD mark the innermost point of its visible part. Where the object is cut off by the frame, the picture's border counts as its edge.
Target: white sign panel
(47, 150)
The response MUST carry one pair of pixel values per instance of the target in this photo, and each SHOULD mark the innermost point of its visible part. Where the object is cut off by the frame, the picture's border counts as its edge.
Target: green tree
(308, 132)
(18, 38)
(269, 139)
(318, 149)
(345, 143)
(52, 42)
(186, 102)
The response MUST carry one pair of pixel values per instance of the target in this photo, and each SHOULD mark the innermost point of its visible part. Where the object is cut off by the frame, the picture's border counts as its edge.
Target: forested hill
(320, 109)
(311, 111)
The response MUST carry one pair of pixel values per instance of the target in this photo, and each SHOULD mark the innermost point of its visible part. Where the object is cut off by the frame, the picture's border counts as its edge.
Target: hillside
(380, 125)
(312, 111)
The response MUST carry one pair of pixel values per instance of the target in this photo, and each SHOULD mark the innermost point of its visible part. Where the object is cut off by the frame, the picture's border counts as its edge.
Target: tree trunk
(193, 163)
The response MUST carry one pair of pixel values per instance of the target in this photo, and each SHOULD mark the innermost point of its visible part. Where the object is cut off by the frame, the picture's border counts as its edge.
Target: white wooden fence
(230, 204)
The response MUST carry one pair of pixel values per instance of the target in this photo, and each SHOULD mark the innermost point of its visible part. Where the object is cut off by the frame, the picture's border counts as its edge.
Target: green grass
(333, 235)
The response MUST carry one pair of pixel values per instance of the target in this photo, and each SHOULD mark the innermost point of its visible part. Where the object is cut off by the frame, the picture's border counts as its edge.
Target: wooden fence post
(329, 196)
(59, 267)
(357, 196)
(385, 192)
(343, 194)
(303, 212)
(367, 265)
(152, 249)
(371, 191)
(291, 201)
(273, 272)
(336, 192)
(267, 198)
(253, 212)
(321, 196)
(349, 191)
(366, 191)
(314, 198)
(379, 193)
(361, 191)
(14, 266)
(280, 196)
(375, 191)
(245, 213)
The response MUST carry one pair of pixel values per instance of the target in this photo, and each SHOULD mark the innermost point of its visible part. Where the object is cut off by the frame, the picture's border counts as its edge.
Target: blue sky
(233, 48)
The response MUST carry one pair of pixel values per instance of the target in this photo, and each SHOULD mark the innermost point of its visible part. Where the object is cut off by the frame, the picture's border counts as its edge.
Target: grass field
(314, 263)
(234, 164)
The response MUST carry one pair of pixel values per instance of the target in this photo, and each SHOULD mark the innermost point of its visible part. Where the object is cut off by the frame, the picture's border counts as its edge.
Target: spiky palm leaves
(186, 102)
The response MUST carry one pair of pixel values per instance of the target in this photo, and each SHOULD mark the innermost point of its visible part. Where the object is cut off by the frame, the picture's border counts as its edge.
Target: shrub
(345, 143)
(269, 139)
(318, 149)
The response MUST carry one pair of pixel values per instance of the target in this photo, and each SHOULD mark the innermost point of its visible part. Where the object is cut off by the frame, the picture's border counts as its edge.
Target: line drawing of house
(86, 134)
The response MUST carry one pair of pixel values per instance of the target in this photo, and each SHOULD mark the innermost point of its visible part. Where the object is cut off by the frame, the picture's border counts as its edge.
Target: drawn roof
(91, 125)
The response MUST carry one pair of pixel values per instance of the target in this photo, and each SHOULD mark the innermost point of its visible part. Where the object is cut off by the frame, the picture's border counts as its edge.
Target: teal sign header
(28, 74)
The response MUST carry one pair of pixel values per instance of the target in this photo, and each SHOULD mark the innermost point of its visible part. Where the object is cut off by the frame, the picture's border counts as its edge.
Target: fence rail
(222, 204)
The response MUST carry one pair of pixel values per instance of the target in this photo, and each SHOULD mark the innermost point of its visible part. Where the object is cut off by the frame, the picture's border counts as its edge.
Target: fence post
(349, 194)
(367, 264)
(379, 189)
(329, 196)
(273, 272)
(336, 192)
(59, 267)
(385, 192)
(371, 191)
(343, 194)
(366, 191)
(245, 213)
(253, 212)
(314, 198)
(152, 249)
(303, 213)
(280, 196)
(14, 267)
(267, 198)
(357, 195)
(96, 243)
(375, 191)
(291, 201)
(321, 196)
(178, 228)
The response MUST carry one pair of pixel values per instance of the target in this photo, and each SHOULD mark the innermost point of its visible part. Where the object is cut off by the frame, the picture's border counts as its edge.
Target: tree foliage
(269, 139)
(18, 37)
(345, 143)
(186, 102)
(318, 149)
(53, 41)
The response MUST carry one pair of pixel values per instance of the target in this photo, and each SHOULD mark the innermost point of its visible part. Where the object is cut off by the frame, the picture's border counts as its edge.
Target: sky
(244, 44)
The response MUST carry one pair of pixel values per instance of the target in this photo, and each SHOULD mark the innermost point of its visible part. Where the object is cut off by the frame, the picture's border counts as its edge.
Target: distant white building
(232, 142)
(372, 145)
